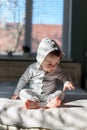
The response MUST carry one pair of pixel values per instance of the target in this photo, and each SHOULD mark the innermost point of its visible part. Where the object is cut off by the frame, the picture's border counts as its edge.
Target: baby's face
(50, 63)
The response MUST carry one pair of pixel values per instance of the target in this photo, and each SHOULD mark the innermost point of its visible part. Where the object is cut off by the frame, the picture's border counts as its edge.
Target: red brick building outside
(39, 31)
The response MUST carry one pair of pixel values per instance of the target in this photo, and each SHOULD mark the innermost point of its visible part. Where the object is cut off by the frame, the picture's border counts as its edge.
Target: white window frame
(67, 30)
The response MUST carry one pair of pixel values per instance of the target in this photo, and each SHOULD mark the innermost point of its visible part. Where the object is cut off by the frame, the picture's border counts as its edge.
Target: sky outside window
(47, 12)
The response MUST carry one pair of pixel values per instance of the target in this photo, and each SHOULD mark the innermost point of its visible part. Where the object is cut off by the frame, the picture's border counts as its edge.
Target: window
(23, 23)
(47, 21)
(12, 29)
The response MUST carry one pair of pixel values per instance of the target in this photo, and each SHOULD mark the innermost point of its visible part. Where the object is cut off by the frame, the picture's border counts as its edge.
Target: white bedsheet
(72, 115)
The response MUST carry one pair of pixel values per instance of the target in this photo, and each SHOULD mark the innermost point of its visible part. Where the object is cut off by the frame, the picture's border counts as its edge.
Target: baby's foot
(31, 104)
(53, 103)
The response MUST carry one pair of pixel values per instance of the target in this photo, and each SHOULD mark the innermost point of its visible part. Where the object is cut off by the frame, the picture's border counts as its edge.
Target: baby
(41, 77)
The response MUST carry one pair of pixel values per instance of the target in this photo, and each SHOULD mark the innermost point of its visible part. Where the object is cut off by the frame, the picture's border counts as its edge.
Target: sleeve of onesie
(63, 76)
(24, 79)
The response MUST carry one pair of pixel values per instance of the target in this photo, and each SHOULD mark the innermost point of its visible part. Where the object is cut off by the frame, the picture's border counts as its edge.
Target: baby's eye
(49, 64)
(56, 64)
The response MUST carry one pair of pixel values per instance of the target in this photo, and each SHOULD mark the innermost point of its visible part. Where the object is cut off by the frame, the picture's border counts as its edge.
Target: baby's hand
(15, 96)
(68, 85)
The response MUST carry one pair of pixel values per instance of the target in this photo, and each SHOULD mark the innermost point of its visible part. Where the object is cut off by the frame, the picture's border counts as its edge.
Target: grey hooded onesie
(41, 84)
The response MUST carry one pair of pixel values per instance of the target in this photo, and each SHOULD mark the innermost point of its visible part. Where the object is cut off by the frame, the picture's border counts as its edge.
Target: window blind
(47, 21)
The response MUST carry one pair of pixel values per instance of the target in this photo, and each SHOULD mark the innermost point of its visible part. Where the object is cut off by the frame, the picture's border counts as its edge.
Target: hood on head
(46, 46)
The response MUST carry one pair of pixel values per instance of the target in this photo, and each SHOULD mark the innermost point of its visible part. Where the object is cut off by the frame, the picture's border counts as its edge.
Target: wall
(79, 35)
(11, 70)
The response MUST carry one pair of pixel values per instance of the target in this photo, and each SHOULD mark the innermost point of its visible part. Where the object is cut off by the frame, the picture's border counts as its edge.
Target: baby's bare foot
(31, 104)
(53, 103)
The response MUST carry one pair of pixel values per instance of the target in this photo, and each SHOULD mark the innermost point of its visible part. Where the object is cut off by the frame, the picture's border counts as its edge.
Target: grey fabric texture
(39, 81)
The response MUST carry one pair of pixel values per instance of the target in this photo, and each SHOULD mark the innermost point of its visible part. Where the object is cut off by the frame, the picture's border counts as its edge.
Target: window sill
(24, 57)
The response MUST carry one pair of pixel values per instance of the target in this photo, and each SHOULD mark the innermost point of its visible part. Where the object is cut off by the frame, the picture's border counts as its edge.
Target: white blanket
(72, 115)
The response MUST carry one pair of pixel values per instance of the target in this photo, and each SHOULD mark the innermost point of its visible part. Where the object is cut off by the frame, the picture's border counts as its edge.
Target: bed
(71, 115)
